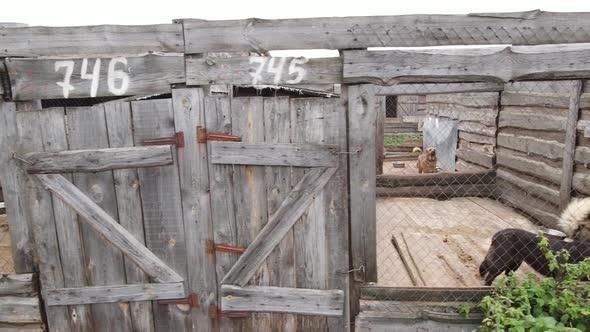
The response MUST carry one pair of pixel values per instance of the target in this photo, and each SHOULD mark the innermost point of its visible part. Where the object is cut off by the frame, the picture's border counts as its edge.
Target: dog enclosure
(180, 177)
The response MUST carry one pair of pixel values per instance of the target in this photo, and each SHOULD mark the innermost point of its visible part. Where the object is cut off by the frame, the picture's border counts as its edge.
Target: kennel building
(179, 177)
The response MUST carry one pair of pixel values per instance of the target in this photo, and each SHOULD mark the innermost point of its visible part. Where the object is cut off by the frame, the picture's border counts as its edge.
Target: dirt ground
(6, 262)
(439, 243)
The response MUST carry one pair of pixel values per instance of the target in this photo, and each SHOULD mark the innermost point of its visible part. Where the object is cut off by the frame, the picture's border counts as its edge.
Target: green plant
(399, 139)
(559, 303)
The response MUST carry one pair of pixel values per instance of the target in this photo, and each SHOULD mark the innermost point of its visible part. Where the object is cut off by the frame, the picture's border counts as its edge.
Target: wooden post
(567, 175)
(361, 138)
(379, 132)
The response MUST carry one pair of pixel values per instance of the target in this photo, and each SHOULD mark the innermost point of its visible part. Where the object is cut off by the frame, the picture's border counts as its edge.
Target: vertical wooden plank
(361, 138)
(277, 129)
(250, 190)
(336, 209)
(565, 190)
(120, 134)
(53, 131)
(104, 263)
(189, 112)
(309, 232)
(379, 132)
(12, 180)
(40, 211)
(161, 205)
(218, 118)
(334, 203)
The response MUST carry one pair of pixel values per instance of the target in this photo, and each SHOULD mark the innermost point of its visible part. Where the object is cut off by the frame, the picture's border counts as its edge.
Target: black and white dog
(510, 247)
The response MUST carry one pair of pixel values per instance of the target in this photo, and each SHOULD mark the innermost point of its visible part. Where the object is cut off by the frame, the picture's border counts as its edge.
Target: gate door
(279, 211)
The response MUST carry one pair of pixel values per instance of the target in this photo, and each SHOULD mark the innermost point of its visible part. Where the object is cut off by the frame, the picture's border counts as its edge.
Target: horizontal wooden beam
(102, 39)
(98, 160)
(110, 294)
(534, 188)
(531, 145)
(439, 192)
(525, 28)
(281, 299)
(294, 205)
(437, 88)
(108, 227)
(496, 64)
(11, 284)
(436, 179)
(543, 211)
(263, 70)
(19, 310)
(94, 77)
(426, 294)
(540, 121)
(304, 155)
(486, 160)
(522, 163)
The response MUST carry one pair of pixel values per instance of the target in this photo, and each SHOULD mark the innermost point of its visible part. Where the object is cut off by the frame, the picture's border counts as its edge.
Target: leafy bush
(559, 303)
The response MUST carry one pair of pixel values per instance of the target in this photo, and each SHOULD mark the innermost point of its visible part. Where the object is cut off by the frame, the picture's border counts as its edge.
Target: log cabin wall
(477, 113)
(536, 167)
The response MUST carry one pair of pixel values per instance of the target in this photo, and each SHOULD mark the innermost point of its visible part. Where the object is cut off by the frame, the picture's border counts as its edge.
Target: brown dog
(427, 161)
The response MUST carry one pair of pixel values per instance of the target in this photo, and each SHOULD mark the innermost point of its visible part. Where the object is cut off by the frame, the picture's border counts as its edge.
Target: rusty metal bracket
(203, 136)
(211, 247)
(216, 313)
(177, 139)
(192, 300)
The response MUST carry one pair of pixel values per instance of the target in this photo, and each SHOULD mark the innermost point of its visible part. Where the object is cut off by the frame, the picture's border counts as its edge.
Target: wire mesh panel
(463, 227)
(6, 262)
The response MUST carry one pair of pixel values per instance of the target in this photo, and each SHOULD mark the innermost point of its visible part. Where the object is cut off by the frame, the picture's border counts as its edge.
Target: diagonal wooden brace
(278, 225)
(109, 228)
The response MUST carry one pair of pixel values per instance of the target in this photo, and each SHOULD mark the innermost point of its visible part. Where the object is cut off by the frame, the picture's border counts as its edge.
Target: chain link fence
(6, 262)
(459, 202)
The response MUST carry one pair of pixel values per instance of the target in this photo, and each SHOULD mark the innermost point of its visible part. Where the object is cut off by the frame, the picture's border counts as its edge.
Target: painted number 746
(117, 80)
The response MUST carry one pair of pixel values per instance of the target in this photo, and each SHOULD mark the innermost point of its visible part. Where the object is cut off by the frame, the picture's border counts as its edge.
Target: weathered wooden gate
(146, 204)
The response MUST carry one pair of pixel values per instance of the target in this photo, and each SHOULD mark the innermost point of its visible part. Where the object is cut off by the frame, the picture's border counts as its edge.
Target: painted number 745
(275, 66)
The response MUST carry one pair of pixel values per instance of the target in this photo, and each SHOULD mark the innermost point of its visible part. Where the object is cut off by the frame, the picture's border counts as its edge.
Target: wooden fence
(151, 213)
(75, 176)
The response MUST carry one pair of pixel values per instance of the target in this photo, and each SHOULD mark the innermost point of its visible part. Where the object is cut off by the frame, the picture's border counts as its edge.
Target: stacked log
(477, 114)
(438, 185)
(531, 144)
(581, 180)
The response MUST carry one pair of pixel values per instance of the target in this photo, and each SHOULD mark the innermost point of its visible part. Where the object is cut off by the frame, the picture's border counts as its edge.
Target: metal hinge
(211, 247)
(177, 139)
(216, 313)
(192, 300)
(203, 136)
